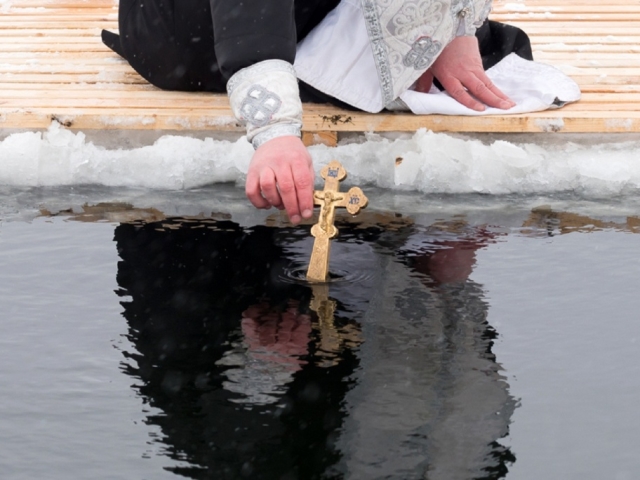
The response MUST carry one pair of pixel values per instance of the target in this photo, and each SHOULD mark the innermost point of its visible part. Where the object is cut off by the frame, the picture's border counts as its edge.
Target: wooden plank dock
(53, 66)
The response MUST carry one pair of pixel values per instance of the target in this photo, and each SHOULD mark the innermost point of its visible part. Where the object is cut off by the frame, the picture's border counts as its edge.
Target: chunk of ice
(426, 161)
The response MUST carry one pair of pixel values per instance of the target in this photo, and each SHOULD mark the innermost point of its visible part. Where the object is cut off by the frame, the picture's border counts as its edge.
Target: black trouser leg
(170, 43)
(497, 40)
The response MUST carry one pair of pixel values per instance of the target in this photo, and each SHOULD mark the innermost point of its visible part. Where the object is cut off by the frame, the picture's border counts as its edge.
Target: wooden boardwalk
(53, 65)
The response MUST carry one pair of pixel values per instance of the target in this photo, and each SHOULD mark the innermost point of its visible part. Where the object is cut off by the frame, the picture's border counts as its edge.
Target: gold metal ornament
(329, 199)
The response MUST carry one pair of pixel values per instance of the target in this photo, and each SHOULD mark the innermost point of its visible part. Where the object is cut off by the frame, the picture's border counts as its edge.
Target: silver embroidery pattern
(379, 49)
(274, 132)
(396, 66)
(412, 16)
(259, 105)
(422, 53)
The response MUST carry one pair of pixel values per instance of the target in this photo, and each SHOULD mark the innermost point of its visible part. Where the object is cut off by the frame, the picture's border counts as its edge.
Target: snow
(427, 162)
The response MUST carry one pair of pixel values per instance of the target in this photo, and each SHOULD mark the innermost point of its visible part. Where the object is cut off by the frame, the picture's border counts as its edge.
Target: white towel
(533, 86)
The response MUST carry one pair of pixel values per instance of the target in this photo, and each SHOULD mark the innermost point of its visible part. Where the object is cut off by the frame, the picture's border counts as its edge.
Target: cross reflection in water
(254, 380)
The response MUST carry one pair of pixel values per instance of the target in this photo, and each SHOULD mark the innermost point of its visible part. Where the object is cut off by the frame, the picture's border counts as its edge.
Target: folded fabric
(532, 85)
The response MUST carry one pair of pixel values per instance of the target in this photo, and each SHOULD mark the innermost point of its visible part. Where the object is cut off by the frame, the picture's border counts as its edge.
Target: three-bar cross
(329, 199)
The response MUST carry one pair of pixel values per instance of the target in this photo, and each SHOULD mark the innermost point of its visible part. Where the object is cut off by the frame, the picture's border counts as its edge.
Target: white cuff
(266, 99)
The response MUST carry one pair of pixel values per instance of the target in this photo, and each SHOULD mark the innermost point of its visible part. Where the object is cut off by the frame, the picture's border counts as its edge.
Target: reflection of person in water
(252, 384)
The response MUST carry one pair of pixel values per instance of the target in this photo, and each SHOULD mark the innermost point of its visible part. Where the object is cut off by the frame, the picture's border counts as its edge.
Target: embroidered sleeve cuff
(266, 99)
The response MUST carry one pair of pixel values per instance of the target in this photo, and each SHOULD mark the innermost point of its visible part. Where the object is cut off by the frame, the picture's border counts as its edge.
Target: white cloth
(337, 59)
(533, 86)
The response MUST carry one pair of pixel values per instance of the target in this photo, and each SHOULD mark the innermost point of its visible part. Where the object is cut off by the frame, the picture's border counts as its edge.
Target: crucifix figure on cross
(323, 231)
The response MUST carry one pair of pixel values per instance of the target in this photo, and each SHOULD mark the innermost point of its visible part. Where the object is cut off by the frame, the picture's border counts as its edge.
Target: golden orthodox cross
(323, 231)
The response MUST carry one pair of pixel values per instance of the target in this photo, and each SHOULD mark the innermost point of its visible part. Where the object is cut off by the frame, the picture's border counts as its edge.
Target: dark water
(172, 337)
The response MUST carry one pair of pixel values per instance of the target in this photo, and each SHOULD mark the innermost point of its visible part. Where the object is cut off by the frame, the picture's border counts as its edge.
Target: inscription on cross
(329, 199)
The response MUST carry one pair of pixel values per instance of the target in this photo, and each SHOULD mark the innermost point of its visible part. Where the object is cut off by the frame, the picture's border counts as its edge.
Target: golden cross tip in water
(323, 231)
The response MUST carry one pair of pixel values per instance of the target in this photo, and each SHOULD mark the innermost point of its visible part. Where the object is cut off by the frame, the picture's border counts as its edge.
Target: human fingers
(269, 187)
(253, 192)
(484, 90)
(287, 189)
(454, 87)
(303, 180)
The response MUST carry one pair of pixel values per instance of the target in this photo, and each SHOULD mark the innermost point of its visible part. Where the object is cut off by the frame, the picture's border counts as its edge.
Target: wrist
(275, 131)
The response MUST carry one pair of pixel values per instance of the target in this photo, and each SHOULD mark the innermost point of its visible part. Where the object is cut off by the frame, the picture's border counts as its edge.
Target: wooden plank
(49, 23)
(332, 120)
(67, 45)
(595, 75)
(581, 31)
(576, 10)
(570, 7)
(47, 93)
(96, 62)
(46, 25)
(633, 88)
(53, 64)
(597, 66)
(330, 139)
(213, 105)
(606, 39)
(61, 57)
(52, 32)
(584, 63)
(64, 68)
(59, 41)
(156, 98)
(200, 102)
(45, 14)
(93, 90)
(62, 3)
(594, 48)
(49, 18)
(62, 79)
(613, 4)
(79, 46)
(532, 14)
(544, 18)
(45, 11)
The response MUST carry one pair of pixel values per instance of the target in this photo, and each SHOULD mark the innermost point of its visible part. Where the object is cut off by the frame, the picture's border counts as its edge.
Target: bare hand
(275, 335)
(281, 175)
(459, 70)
